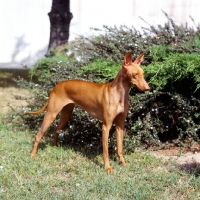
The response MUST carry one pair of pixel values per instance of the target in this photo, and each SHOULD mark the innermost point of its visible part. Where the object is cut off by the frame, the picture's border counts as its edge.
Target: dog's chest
(120, 109)
(121, 105)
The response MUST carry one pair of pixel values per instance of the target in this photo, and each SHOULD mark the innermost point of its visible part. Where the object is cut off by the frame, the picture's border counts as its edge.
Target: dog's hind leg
(55, 105)
(48, 119)
(66, 114)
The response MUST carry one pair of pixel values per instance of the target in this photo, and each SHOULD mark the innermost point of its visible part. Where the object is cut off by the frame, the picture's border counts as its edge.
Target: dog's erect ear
(128, 58)
(139, 59)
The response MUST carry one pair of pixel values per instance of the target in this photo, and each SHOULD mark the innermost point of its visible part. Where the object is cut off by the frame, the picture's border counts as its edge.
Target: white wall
(96, 13)
(24, 30)
(24, 24)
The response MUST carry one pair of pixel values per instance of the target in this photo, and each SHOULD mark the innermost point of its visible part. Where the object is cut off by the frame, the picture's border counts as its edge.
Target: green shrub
(162, 119)
(113, 43)
(100, 70)
(176, 72)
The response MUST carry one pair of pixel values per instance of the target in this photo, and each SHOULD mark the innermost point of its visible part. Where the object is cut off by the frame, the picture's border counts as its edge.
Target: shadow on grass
(90, 148)
(91, 153)
(192, 168)
(8, 76)
(42, 145)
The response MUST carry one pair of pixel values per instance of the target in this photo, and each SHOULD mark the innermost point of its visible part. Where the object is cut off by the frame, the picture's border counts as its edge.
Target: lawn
(63, 173)
(68, 173)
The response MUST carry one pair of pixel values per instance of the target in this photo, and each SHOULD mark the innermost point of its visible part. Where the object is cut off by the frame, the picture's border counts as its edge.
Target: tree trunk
(60, 17)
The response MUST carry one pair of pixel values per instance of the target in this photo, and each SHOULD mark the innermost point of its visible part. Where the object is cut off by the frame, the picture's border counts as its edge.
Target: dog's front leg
(119, 127)
(105, 135)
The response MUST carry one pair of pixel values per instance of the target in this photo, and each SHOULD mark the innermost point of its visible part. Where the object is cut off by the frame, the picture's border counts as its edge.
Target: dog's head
(134, 73)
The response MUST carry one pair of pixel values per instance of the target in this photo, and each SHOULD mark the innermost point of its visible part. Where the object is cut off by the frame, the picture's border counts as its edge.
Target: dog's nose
(146, 87)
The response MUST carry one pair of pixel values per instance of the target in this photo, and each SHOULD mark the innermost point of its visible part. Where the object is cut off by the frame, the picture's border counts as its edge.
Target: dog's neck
(121, 82)
(121, 86)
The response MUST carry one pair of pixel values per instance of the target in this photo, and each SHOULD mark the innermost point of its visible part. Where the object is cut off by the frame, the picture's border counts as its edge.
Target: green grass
(66, 173)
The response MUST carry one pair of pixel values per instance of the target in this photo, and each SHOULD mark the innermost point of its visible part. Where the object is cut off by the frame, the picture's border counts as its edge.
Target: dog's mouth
(143, 88)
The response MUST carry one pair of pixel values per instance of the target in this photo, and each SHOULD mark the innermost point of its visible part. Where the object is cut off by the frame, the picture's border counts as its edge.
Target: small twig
(155, 74)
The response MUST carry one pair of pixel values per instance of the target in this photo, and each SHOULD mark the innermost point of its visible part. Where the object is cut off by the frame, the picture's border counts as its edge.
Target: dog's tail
(38, 111)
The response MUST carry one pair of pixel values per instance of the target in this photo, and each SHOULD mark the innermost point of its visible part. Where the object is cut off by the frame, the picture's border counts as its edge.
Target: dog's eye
(136, 74)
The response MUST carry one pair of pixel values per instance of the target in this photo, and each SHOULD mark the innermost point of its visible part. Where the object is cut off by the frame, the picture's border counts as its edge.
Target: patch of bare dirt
(188, 160)
(12, 96)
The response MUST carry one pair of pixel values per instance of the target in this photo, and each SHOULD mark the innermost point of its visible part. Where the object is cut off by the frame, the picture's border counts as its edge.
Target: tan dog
(107, 102)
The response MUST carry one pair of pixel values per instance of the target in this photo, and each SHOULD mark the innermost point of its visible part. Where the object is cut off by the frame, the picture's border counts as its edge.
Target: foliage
(169, 115)
(175, 72)
(113, 43)
(162, 119)
(100, 70)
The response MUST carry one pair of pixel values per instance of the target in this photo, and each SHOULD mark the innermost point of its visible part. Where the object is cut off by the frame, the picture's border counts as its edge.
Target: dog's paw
(109, 170)
(33, 156)
(123, 163)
